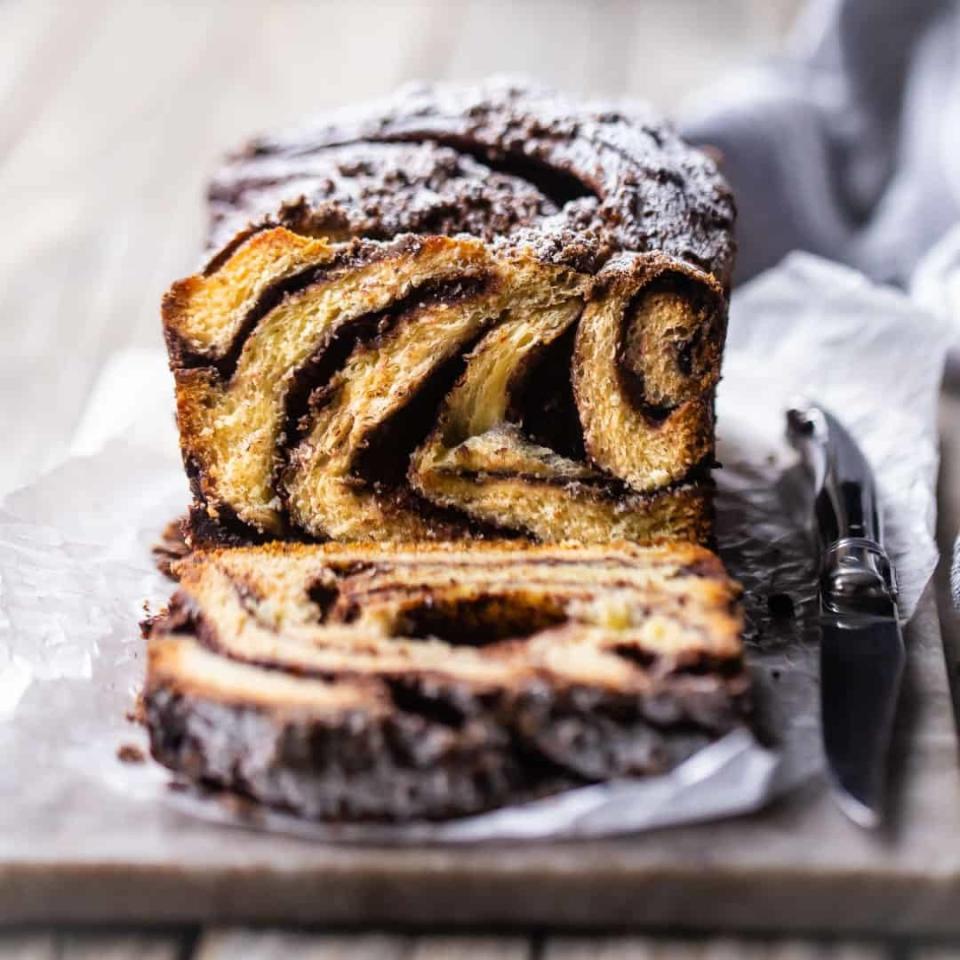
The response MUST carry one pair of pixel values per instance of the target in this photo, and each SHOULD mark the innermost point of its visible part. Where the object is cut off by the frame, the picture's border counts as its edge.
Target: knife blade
(862, 655)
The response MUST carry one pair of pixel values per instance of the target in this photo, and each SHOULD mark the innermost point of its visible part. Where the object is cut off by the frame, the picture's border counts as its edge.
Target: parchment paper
(75, 568)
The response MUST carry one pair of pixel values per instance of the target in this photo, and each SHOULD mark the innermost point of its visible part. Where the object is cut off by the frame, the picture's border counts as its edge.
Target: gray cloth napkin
(847, 145)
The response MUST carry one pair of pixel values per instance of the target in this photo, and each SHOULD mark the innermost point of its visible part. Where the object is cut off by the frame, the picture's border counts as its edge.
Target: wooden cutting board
(799, 864)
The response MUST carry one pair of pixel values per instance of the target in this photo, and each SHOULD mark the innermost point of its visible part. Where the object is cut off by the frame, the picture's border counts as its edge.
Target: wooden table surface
(112, 115)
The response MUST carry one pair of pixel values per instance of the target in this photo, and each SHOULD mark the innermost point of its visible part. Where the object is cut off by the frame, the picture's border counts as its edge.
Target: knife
(861, 647)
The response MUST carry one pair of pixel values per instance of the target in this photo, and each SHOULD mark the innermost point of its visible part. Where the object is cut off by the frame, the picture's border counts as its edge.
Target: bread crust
(506, 162)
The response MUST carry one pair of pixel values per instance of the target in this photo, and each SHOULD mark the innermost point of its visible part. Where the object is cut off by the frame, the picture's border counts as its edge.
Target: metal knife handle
(855, 572)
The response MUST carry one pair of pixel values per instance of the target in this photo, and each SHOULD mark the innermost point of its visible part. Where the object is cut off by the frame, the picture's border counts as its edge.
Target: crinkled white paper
(75, 568)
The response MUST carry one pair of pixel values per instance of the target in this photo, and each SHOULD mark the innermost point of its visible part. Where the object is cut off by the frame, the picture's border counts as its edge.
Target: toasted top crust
(504, 162)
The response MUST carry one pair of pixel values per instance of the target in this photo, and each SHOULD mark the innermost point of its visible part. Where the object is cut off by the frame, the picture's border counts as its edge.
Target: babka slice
(467, 312)
(429, 681)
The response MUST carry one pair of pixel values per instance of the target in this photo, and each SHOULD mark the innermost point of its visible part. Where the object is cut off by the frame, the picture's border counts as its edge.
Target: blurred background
(114, 112)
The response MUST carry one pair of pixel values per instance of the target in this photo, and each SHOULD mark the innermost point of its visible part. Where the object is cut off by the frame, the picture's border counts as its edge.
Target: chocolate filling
(479, 621)
(688, 353)
(331, 355)
(350, 255)
(543, 402)
(384, 458)
(558, 185)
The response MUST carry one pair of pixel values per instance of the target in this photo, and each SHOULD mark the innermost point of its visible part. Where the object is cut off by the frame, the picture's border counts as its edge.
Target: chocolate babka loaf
(458, 314)
(438, 680)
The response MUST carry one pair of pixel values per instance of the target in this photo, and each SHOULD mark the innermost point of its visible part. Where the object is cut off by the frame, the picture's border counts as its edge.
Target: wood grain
(472, 948)
(71, 945)
(722, 948)
(118, 946)
(234, 943)
(28, 946)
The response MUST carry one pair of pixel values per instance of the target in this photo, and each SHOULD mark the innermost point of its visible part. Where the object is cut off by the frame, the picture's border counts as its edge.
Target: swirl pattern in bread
(428, 388)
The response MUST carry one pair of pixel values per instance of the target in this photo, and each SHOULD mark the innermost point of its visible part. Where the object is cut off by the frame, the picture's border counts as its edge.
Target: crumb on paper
(137, 713)
(237, 806)
(780, 606)
(146, 624)
(171, 547)
(130, 753)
